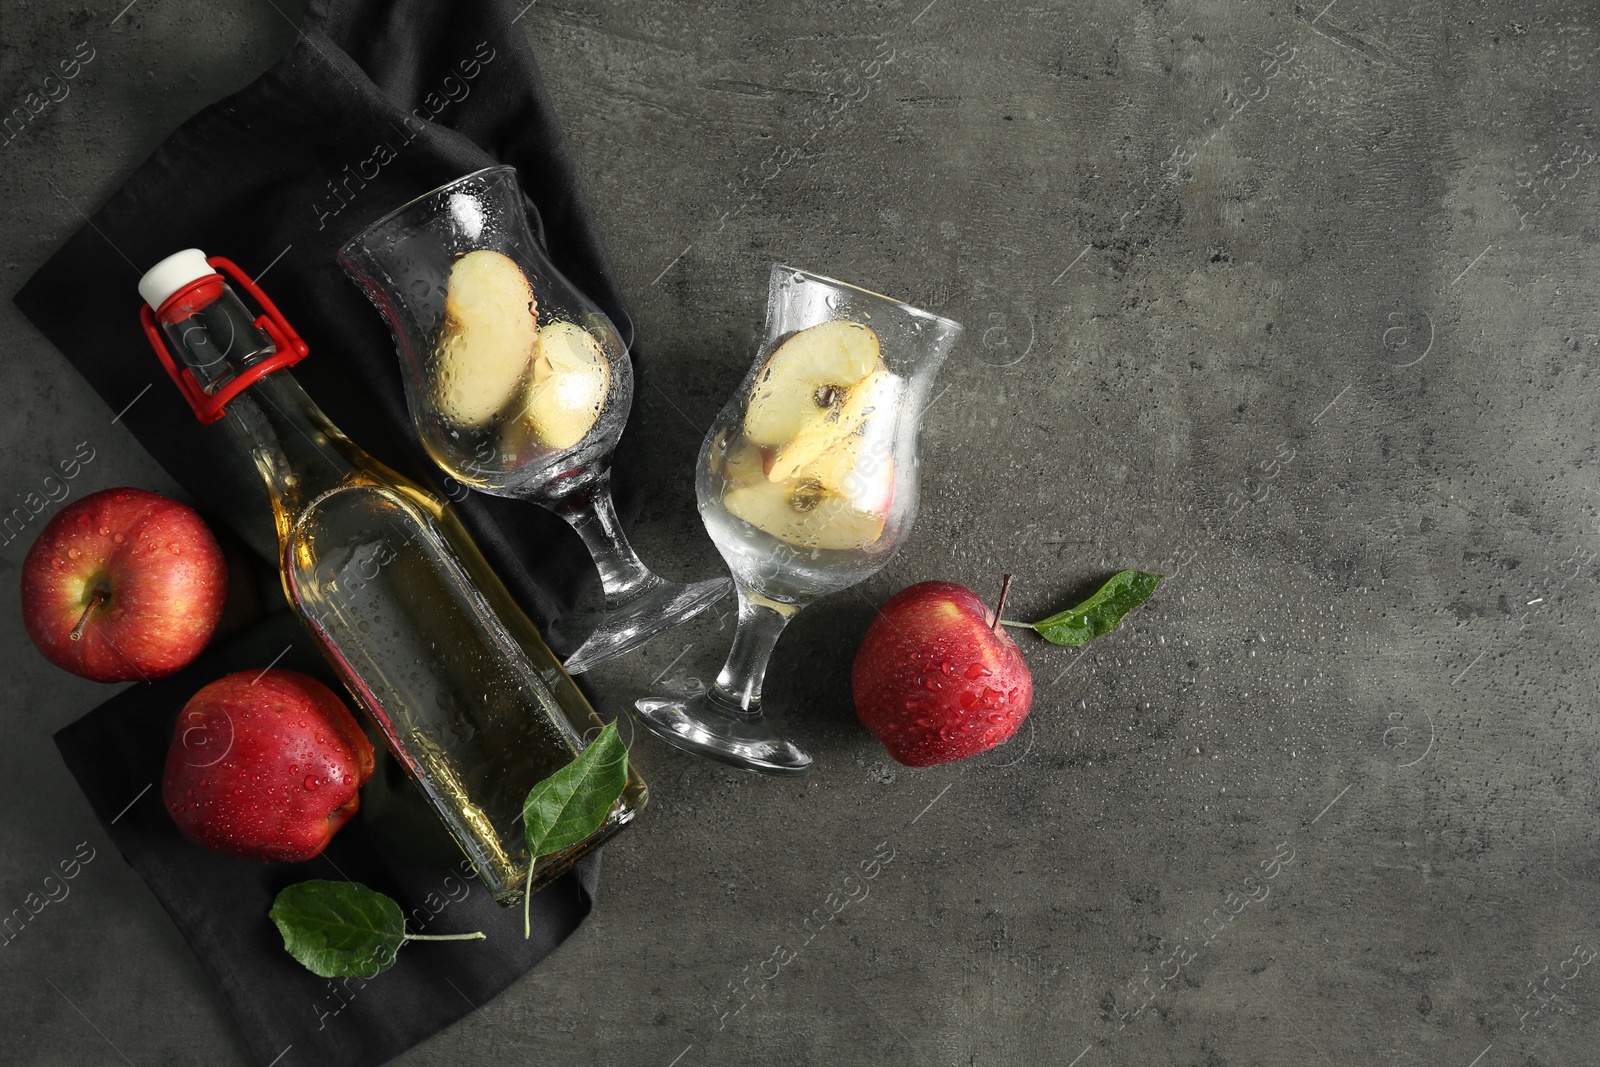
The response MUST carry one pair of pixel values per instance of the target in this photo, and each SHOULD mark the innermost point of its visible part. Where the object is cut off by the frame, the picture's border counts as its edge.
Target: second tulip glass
(807, 484)
(518, 384)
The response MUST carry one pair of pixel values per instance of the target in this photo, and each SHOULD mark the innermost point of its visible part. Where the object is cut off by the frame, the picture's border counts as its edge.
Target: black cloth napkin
(376, 102)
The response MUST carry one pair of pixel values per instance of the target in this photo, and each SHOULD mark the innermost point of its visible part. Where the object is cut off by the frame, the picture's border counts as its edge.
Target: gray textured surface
(1324, 357)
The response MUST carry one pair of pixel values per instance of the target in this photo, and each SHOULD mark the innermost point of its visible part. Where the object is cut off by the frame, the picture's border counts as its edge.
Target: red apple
(936, 678)
(123, 584)
(265, 765)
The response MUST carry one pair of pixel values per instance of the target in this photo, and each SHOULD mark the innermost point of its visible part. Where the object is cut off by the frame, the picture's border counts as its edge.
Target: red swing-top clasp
(198, 294)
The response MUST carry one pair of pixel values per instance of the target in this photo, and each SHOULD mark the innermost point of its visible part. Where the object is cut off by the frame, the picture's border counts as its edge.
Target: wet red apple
(936, 679)
(266, 765)
(123, 585)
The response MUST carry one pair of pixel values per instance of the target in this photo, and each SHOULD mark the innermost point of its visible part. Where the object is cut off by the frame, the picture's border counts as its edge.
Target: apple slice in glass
(490, 331)
(568, 385)
(809, 378)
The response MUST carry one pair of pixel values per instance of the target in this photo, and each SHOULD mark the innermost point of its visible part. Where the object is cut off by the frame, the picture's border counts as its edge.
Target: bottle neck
(213, 333)
(298, 452)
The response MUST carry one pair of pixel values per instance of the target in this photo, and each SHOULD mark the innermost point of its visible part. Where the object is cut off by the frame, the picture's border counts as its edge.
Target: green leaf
(572, 803)
(1099, 614)
(344, 929)
(339, 929)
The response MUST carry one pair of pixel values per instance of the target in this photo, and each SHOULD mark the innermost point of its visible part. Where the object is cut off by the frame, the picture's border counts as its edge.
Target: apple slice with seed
(809, 378)
(837, 425)
(805, 514)
(859, 469)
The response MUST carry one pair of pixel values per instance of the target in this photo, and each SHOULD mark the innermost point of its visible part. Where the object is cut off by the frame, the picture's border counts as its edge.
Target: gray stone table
(1293, 303)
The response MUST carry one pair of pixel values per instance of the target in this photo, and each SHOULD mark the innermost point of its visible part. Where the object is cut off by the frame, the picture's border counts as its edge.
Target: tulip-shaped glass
(518, 384)
(807, 484)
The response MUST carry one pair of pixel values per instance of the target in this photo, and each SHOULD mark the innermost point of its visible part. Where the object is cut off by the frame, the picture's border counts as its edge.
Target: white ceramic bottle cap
(172, 274)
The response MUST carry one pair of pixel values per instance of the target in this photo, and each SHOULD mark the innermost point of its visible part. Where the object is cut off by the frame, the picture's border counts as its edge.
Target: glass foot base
(697, 725)
(648, 614)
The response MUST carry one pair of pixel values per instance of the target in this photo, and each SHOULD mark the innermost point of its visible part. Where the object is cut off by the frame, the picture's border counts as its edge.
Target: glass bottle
(388, 582)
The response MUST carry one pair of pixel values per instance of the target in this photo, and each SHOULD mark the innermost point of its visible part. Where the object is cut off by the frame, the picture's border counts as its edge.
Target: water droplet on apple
(993, 696)
(118, 538)
(73, 553)
(312, 781)
(970, 701)
(176, 551)
(104, 530)
(58, 562)
(948, 668)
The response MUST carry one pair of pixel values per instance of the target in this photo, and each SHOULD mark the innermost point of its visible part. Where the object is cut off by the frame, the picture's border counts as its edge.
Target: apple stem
(478, 936)
(1000, 605)
(95, 601)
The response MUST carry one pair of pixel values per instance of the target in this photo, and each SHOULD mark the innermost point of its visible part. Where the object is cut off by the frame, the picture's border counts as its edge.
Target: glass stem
(591, 512)
(738, 687)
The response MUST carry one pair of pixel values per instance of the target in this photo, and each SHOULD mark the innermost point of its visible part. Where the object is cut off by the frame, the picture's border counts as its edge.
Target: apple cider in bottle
(385, 578)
